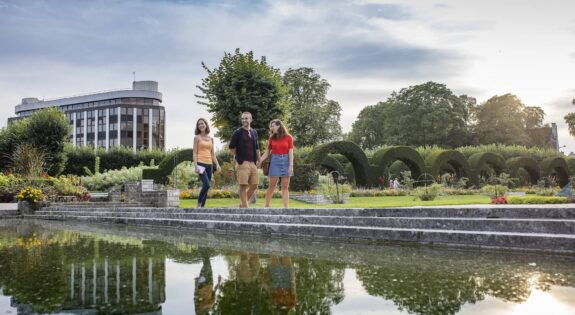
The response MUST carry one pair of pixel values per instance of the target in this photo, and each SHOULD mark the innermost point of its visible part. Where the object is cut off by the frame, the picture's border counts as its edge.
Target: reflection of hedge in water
(430, 286)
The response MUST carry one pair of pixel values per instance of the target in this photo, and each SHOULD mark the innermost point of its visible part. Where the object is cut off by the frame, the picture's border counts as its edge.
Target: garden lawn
(354, 202)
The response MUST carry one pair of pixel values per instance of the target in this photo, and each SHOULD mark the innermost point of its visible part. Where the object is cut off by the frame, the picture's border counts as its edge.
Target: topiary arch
(528, 164)
(555, 166)
(453, 160)
(478, 161)
(165, 168)
(384, 157)
(330, 164)
(351, 151)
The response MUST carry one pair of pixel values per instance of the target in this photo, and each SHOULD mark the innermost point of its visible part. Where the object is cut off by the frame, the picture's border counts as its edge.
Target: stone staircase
(542, 228)
(9, 214)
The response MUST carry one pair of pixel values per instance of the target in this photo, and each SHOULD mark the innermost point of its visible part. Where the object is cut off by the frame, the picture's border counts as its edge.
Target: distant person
(244, 145)
(204, 158)
(396, 184)
(280, 146)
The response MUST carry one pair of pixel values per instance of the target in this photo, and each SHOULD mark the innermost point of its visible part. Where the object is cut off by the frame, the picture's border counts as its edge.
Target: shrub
(427, 193)
(334, 192)
(106, 180)
(494, 191)
(536, 200)
(28, 160)
(227, 177)
(10, 185)
(305, 177)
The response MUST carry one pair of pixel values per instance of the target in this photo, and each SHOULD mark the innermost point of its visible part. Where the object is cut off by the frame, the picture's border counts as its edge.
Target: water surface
(66, 268)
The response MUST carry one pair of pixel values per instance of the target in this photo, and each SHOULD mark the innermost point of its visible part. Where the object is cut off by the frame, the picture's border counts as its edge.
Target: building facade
(132, 118)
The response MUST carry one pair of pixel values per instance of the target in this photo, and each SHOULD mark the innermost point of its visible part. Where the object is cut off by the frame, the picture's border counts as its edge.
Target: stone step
(537, 241)
(97, 204)
(551, 226)
(488, 211)
(9, 214)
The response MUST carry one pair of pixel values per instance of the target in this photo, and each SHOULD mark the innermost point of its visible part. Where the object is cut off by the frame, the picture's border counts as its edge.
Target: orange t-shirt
(280, 145)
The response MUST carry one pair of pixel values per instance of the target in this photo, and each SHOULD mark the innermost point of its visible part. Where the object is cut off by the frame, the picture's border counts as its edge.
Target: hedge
(528, 164)
(352, 152)
(453, 160)
(114, 159)
(477, 162)
(331, 164)
(557, 166)
(536, 200)
(167, 165)
(571, 164)
(409, 156)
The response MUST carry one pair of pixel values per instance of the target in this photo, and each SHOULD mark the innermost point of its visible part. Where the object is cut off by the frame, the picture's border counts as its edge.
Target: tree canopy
(242, 83)
(46, 129)
(314, 118)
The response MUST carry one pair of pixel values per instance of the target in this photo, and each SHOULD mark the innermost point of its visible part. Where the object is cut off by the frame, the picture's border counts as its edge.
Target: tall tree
(239, 84)
(506, 120)
(46, 129)
(314, 118)
(570, 120)
(367, 130)
(427, 114)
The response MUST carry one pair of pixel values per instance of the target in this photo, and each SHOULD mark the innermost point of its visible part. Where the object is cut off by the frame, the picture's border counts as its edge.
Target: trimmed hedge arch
(528, 164)
(165, 168)
(571, 164)
(556, 165)
(352, 152)
(448, 159)
(478, 160)
(331, 164)
(409, 156)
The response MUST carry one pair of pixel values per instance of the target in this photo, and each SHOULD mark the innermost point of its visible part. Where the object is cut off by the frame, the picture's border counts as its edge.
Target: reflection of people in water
(205, 292)
(248, 268)
(282, 288)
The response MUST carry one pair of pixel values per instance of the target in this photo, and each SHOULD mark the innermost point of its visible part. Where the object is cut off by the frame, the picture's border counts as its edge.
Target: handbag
(266, 164)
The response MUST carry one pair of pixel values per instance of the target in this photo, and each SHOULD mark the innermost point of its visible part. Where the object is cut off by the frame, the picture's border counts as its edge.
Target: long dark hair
(207, 126)
(282, 131)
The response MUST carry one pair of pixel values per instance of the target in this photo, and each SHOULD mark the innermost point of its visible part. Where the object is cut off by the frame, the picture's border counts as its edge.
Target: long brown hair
(282, 131)
(207, 126)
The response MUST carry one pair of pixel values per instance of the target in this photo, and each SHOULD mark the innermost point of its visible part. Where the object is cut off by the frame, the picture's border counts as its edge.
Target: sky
(364, 49)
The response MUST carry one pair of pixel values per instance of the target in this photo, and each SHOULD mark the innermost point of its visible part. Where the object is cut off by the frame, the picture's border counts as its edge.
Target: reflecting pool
(67, 268)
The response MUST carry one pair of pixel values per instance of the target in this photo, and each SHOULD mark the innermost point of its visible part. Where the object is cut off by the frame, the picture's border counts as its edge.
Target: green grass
(354, 202)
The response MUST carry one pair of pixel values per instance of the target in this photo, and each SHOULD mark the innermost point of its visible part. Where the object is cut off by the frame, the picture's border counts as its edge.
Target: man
(244, 146)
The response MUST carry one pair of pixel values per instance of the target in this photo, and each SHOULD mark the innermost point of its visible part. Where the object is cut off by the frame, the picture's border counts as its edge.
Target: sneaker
(253, 199)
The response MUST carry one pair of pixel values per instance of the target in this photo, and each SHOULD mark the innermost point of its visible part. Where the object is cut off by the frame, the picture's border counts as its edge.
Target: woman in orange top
(280, 146)
(204, 158)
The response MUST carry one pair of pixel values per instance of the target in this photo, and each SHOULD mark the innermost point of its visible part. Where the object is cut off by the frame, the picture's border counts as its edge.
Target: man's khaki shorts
(247, 173)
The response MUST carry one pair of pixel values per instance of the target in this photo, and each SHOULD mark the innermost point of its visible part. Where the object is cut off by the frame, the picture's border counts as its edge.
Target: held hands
(218, 169)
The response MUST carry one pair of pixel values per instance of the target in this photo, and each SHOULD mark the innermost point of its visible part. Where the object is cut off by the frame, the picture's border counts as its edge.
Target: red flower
(499, 200)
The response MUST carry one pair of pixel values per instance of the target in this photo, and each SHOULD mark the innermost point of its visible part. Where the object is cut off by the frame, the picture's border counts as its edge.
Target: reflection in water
(58, 270)
(205, 292)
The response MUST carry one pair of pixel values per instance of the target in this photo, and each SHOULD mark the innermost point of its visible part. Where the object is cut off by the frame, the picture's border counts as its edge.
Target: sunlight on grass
(354, 202)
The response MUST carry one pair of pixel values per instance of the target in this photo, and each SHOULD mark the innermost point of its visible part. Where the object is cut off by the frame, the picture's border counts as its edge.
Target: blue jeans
(206, 178)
